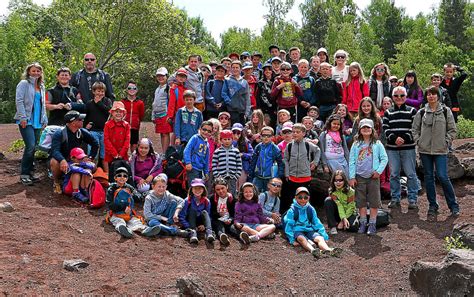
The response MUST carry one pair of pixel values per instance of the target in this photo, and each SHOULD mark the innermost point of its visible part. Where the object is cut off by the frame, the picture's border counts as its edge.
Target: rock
(455, 168)
(75, 264)
(190, 285)
(468, 164)
(7, 207)
(320, 183)
(465, 231)
(2, 156)
(465, 147)
(452, 277)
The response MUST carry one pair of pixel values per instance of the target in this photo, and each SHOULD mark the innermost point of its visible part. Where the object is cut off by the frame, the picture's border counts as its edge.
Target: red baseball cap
(77, 153)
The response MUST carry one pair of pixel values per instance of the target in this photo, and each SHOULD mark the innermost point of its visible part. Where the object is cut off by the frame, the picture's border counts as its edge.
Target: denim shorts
(307, 234)
(252, 226)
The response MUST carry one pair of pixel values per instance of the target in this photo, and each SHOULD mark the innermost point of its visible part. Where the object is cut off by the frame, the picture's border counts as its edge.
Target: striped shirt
(227, 162)
(397, 122)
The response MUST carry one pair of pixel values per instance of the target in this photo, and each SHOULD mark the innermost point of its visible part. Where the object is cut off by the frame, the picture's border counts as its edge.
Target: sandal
(57, 188)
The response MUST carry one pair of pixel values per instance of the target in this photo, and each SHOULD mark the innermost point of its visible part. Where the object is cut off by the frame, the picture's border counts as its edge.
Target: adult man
(295, 55)
(397, 123)
(64, 140)
(85, 78)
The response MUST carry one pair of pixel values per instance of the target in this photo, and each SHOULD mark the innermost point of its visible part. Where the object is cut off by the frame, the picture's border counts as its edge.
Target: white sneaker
(333, 231)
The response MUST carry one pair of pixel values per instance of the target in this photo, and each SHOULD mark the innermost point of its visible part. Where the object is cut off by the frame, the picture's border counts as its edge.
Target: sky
(219, 15)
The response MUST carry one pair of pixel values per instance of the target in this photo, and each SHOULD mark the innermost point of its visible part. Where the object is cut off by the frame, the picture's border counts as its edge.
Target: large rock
(455, 168)
(190, 285)
(465, 231)
(452, 277)
(468, 164)
(467, 147)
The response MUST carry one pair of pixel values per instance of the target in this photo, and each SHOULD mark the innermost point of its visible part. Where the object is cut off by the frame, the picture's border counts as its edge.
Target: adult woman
(379, 85)
(30, 116)
(340, 71)
(433, 131)
(62, 98)
(414, 92)
(323, 55)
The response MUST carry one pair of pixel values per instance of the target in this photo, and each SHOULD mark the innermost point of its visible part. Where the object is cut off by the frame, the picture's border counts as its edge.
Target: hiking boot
(362, 228)
(412, 205)
(455, 213)
(151, 231)
(80, 197)
(57, 188)
(432, 211)
(124, 231)
(193, 238)
(372, 229)
(182, 233)
(333, 231)
(316, 253)
(224, 239)
(209, 236)
(394, 204)
(244, 237)
(26, 180)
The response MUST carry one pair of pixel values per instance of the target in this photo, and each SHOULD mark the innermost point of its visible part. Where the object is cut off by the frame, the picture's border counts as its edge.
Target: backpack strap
(306, 144)
(296, 214)
(266, 198)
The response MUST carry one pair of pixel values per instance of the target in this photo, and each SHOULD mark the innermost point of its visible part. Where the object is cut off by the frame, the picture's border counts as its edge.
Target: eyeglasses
(131, 88)
(206, 130)
(340, 57)
(276, 185)
(89, 59)
(121, 175)
(223, 118)
(338, 180)
(399, 96)
(286, 132)
(285, 69)
(380, 69)
(236, 132)
(302, 197)
(266, 135)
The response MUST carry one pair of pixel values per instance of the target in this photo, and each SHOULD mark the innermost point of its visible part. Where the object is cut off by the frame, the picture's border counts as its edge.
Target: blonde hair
(26, 73)
(216, 136)
(361, 73)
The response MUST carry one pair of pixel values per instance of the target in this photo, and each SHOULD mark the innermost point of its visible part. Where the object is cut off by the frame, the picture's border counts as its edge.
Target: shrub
(465, 128)
(454, 242)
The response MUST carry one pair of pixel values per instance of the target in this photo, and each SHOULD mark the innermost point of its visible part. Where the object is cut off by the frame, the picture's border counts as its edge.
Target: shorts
(134, 134)
(162, 126)
(307, 234)
(367, 190)
(252, 226)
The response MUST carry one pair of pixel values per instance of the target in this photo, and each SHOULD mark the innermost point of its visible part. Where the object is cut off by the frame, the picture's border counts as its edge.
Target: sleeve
(246, 156)
(391, 137)
(408, 136)
(416, 100)
(275, 91)
(206, 158)
(20, 100)
(416, 127)
(177, 124)
(447, 99)
(316, 152)
(248, 105)
(208, 208)
(109, 148)
(147, 206)
(298, 90)
(171, 113)
(225, 92)
(126, 144)
(340, 206)
(141, 110)
(345, 89)
(239, 162)
(103, 105)
(352, 160)
(56, 143)
(209, 98)
(338, 93)
(108, 84)
(183, 214)
(215, 163)
(188, 150)
(179, 201)
(451, 127)
(261, 201)
(382, 156)
(289, 226)
(277, 205)
(238, 215)
(253, 162)
(286, 160)
(365, 89)
(351, 205)
(279, 160)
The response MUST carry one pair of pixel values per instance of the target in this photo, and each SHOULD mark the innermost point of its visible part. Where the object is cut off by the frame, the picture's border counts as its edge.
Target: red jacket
(353, 93)
(252, 81)
(116, 139)
(135, 112)
(175, 103)
(287, 96)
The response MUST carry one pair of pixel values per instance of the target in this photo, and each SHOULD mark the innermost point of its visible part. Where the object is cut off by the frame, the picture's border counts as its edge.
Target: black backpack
(173, 165)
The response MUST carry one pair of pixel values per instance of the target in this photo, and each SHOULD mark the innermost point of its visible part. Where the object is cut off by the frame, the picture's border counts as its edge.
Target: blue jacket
(187, 123)
(236, 95)
(303, 224)
(190, 202)
(196, 153)
(214, 94)
(379, 162)
(61, 145)
(25, 98)
(307, 85)
(262, 161)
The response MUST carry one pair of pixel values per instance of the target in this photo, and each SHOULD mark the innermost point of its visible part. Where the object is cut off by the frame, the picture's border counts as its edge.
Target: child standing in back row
(367, 161)
(226, 162)
(116, 135)
(135, 113)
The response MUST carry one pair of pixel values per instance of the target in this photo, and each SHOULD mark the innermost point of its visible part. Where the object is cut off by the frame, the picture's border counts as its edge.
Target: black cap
(73, 115)
(222, 66)
(121, 170)
(273, 46)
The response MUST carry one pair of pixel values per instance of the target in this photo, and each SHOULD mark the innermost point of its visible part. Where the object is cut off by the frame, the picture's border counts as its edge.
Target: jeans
(406, 160)
(332, 213)
(99, 136)
(169, 230)
(194, 218)
(325, 111)
(441, 163)
(30, 138)
(194, 173)
(261, 183)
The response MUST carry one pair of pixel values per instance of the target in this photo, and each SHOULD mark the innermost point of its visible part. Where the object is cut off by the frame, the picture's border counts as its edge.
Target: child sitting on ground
(222, 211)
(145, 164)
(196, 211)
(161, 208)
(249, 218)
(79, 175)
(270, 200)
(302, 226)
(120, 202)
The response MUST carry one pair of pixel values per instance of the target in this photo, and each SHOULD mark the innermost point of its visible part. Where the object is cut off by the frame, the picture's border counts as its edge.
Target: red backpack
(96, 194)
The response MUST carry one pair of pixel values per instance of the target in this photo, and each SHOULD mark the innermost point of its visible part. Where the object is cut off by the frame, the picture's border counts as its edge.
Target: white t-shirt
(340, 75)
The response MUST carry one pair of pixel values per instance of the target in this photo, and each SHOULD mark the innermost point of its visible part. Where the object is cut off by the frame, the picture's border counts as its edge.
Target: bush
(454, 242)
(465, 128)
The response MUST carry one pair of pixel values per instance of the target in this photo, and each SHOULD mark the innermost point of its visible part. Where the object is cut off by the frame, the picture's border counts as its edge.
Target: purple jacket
(415, 99)
(249, 212)
(153, 164)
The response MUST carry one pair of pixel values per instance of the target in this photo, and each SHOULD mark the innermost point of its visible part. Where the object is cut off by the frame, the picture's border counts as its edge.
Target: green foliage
(465, 128)
(16, 146)
(315, 25)
(454, 242)
(454, 19)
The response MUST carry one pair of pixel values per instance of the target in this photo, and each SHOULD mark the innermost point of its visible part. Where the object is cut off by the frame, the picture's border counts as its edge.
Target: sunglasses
(285, 69)
(266, 135)
(224, 118)
(89, 59)
(236, 132)
(302, 197)
(276, 185)
(123, 175)
(399, 96)
(338, 180)
(286, 132)
(380, 69)
(340, 57)
(394, 81)
(206, 130)
(131, 88)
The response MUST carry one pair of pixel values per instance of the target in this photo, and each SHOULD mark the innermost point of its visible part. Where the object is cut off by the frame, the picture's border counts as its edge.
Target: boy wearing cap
(116, 135)
(188, 119)
(247, 69)
(120, 200)
(79, 175)
(226, 162)
(97, 111)
(176, 92)
(285, 91)
(303, 227)
(236, 94)
(276, 64)
(196, 153)
(245, 57)
(214, 102)
(160, 108)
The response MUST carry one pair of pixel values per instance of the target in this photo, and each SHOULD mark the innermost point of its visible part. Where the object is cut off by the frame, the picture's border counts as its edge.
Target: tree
(315, 23)
(453, 21)
(236, 40)
(202, 39)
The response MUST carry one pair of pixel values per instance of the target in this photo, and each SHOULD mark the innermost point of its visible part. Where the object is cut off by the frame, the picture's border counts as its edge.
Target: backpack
(173, 165)
(46, 138)
(265, 201)
(308, 152)
(445, 113)
(96, 194)
(100, 76)
(123, 197)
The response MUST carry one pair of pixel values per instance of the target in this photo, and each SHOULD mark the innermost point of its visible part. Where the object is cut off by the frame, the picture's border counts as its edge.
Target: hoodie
(303, 224)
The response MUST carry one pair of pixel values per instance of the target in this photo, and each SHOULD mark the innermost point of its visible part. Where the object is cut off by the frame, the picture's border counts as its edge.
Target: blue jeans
(99, 136)
(168, 213)
(30, 138)
(441, 163)
(261, 183)
(193, 174)
(406, 160)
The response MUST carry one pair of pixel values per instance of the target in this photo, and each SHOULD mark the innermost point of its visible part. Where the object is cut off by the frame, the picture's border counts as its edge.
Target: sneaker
(455, 213)
(335, 252)
(412, 205)
(182, 233)
(151, 231)
(394, 204)
(209, 236)
(432, 211)
(224, 239)
(254, 238)
(57, 188)
(372, 229)
(244, 237)
(316, 253)
(333, 231)
(26, 180)
(80, 197)
(193, 237)
(35, 178)
(271, 236)
(124, 231)
(362, 228)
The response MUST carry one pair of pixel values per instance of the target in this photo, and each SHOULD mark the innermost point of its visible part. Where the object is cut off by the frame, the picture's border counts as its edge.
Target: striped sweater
(227, 162)
(397, 122)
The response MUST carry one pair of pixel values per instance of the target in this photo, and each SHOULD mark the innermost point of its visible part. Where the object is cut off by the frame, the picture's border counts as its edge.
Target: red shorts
(68, 188)
(162, 126)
